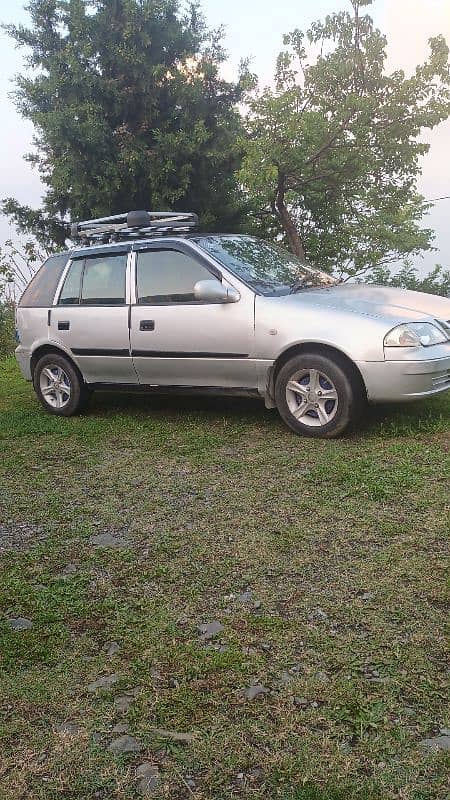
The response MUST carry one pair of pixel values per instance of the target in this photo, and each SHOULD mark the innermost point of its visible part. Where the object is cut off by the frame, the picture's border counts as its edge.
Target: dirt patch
(20, 537)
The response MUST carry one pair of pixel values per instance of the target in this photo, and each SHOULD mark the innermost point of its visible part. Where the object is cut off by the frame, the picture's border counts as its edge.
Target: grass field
(147, 518)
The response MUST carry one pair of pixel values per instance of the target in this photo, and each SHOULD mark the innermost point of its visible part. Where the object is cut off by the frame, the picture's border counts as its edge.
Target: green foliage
(7, 342)
(436, 282)
(130, 112)
(333, 153)
(18, 263)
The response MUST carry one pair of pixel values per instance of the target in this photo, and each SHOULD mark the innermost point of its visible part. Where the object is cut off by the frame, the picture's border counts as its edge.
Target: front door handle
(63, 326)
(147, 325)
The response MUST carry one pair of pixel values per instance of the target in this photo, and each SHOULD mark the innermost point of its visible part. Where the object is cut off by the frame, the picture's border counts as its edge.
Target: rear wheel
(59, 386)
(316, 396)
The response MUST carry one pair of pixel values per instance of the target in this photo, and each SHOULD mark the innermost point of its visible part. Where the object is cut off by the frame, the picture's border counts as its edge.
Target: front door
(91, 318)
(179, 341)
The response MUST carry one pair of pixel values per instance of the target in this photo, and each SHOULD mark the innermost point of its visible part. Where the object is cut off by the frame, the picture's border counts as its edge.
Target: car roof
(130, 245)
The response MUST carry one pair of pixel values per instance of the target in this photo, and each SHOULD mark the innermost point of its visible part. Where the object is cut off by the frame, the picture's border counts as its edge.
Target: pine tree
(130, 111)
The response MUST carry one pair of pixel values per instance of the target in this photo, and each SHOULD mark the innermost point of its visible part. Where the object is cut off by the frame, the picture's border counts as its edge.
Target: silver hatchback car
(143, 302)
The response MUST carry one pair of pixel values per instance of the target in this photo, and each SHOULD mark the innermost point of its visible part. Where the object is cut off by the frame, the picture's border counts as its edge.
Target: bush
(7, 340)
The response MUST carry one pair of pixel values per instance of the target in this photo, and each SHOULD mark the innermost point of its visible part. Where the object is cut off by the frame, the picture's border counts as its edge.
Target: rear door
(177, 340)
(91, 317)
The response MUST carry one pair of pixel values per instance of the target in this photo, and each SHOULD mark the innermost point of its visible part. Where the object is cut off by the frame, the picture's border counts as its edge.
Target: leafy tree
(333, 152)
(436, 282)
(130, 111)
(17, 266)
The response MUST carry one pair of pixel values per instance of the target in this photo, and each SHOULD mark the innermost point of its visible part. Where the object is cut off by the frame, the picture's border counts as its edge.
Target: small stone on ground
(123, 701)
(210, 629)
(69, 728)
(68, 571)
(175, 736)
(121, 727)
(20, 623)
(105, 682)
(256, 690)
(436, 743)
(318, 615)
(148, 775)
(125, 744)
(245, 597)
(109, 540)
(111, 648)
(301, 702)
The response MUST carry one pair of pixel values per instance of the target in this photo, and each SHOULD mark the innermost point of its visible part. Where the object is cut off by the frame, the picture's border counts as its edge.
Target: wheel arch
(48, 348)
(341, 358)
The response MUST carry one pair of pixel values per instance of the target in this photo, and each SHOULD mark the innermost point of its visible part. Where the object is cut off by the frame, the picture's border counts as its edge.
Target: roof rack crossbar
(132, 225)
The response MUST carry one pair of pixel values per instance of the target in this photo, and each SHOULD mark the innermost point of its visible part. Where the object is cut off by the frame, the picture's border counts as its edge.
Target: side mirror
(214, 291)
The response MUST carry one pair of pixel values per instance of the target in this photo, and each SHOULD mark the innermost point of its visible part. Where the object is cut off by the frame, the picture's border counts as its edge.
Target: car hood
(382, 302)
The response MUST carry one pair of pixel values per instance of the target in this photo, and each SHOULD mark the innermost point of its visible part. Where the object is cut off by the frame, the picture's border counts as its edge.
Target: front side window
(167, 276)
(266, 268)
(41, 289)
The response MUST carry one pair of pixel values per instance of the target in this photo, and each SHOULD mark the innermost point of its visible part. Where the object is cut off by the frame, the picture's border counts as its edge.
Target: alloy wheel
(55, 386)
(312, 397)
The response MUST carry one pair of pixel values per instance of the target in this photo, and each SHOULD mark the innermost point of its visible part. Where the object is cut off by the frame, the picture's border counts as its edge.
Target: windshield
(267, 269)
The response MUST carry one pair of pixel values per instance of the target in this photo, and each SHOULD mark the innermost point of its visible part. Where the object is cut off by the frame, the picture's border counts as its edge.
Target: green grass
(342, 544)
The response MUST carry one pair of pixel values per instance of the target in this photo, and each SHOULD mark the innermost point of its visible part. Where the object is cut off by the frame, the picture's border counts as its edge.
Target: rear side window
(41, 290)
(104, 280)
(95, 281)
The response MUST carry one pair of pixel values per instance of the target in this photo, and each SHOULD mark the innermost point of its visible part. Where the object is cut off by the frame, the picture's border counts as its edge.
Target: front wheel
(317, 397)
(59, 386)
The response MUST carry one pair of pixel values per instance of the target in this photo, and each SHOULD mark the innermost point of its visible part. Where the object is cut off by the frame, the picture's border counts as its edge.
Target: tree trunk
(295, 243)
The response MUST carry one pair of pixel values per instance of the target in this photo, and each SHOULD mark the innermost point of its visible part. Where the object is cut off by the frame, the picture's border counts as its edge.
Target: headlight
(414, 334)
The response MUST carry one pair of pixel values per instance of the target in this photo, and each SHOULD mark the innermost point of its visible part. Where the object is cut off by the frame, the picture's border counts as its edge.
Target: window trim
(71, 305)
(186, 251)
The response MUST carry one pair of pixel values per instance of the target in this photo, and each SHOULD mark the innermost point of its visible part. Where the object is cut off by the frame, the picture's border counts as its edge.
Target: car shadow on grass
(209, 406)
(431, 415)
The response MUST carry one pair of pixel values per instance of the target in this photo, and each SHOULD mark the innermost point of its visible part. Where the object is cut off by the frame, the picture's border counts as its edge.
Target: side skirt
(131, 388)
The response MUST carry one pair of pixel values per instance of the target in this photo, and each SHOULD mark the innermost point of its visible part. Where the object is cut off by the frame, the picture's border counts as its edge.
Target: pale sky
(254, 28)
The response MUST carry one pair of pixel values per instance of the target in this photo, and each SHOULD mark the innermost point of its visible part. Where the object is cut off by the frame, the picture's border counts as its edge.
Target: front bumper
(392, 381)
(23, 356)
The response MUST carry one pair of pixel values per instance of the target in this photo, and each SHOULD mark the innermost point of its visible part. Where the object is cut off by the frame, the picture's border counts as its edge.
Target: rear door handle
(63, 325)
(147, 325)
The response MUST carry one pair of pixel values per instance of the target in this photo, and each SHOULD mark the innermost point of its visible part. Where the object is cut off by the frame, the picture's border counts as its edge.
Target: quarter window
(167, 276)
(41, 290)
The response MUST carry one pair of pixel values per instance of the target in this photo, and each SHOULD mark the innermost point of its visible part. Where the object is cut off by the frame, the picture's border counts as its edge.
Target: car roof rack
(132, 225)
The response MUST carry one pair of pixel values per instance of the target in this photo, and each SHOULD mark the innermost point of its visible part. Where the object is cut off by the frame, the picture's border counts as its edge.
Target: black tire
(72, 402)
(335, 415)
